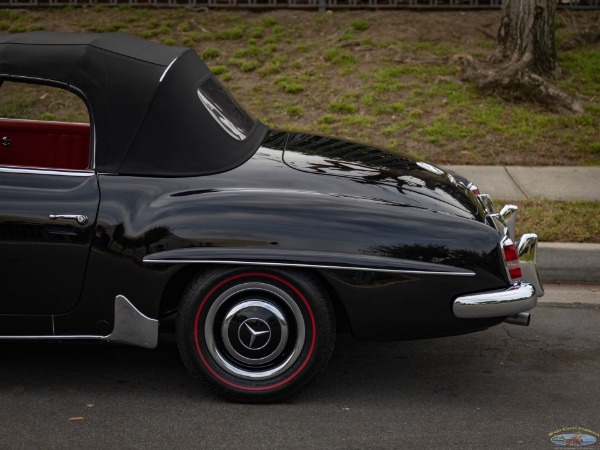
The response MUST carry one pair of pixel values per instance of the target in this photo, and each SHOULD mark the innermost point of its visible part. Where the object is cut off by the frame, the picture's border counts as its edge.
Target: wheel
(255, 335)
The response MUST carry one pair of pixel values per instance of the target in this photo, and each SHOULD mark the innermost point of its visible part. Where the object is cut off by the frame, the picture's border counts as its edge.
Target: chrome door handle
(80, 218)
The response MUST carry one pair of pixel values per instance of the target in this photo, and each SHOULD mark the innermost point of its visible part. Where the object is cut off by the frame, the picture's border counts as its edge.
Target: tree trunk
(525, 53)
(526, 36)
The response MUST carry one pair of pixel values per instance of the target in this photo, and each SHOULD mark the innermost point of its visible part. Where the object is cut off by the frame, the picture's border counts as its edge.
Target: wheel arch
(177, 284)
(175, 287)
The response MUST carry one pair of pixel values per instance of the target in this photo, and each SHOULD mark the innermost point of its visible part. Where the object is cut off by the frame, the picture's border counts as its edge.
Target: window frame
(23, 79)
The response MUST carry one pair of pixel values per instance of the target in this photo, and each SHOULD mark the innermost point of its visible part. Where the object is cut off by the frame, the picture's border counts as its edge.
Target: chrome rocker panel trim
(519, 297)
(131, 328)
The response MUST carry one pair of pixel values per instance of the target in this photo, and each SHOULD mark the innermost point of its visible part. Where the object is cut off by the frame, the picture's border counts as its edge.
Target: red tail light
(474, 189)
(512, 259)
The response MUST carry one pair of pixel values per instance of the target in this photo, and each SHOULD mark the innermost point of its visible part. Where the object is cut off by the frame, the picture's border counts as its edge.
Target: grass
(379, 77)
(41, 102)
(342, 107)
(231, 34)
(210, 53)
(339, 57)
(558, 221)
(294, 111)
(582, 70)
(289, 84)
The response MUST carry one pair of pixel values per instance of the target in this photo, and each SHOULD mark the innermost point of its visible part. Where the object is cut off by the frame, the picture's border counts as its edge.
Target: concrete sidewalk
(520, 182)
(558, 262)
(561, 294)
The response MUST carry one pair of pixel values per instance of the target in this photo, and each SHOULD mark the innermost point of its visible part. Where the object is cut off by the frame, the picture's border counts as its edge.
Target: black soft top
(147, 116)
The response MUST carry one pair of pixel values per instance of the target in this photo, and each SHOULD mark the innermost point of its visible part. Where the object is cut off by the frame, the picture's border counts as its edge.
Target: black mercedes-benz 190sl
(174, 204)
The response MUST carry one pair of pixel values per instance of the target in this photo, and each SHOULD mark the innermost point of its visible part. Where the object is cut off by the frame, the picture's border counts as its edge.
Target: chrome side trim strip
(38, 80)
(131, 327)
(48, 121)
(519, 297)
(167, 69)
(71, 337)
(304, 266)
(65, 172)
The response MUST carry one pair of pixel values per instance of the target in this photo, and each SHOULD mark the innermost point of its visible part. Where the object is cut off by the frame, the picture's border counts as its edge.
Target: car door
(48, 203)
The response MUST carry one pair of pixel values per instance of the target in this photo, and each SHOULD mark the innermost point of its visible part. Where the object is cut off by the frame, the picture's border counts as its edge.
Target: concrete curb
(564, 262)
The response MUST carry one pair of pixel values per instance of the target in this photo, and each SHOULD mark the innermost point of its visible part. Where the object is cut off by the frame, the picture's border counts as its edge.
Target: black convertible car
(175, 204)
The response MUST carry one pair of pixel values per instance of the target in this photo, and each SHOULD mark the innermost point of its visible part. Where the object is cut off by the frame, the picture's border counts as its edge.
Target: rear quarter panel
(265, 208)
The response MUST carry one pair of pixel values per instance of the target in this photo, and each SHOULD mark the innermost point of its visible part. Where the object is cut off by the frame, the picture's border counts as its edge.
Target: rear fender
(308, 230)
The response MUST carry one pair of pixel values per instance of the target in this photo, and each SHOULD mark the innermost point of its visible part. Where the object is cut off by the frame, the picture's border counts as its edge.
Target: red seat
(37, 143)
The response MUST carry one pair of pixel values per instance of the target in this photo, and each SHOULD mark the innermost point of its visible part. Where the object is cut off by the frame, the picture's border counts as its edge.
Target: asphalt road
(507, 387)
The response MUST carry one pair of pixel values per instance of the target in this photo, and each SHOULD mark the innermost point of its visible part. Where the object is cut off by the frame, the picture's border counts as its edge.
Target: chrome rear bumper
(522, 295)
(517, 298)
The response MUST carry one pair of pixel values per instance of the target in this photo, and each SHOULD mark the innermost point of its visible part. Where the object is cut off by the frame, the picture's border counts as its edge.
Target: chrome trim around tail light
(509, 215)
(487, 203)
(474, 189)
(527, 250)
(505, 223)
(498, 223)
(511, 259)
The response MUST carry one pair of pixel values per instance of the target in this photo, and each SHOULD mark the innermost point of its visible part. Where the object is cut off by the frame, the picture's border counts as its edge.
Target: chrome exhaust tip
(519, 319)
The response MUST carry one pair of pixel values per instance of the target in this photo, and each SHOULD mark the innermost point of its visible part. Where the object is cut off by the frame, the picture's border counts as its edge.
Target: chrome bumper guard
(522, 295)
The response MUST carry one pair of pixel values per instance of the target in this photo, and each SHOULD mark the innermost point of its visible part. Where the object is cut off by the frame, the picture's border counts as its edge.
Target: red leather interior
(37, 143)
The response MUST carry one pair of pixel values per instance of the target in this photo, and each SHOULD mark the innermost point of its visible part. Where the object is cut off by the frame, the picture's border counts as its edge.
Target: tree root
(515, 81)
(587, 36)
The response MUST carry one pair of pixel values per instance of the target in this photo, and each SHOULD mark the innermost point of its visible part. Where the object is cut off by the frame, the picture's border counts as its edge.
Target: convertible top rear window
(225, 109)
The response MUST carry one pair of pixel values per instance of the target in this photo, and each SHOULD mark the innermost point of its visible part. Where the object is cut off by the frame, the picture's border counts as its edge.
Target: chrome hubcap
(254, 331)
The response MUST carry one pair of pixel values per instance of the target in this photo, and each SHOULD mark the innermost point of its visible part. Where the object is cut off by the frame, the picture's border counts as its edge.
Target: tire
(255, 335)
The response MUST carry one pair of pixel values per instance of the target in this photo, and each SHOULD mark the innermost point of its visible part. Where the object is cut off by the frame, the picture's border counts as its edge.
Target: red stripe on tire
(264, 388)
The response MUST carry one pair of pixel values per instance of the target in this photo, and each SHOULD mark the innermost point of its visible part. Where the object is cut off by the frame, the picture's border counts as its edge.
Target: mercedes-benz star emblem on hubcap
(254, 333)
